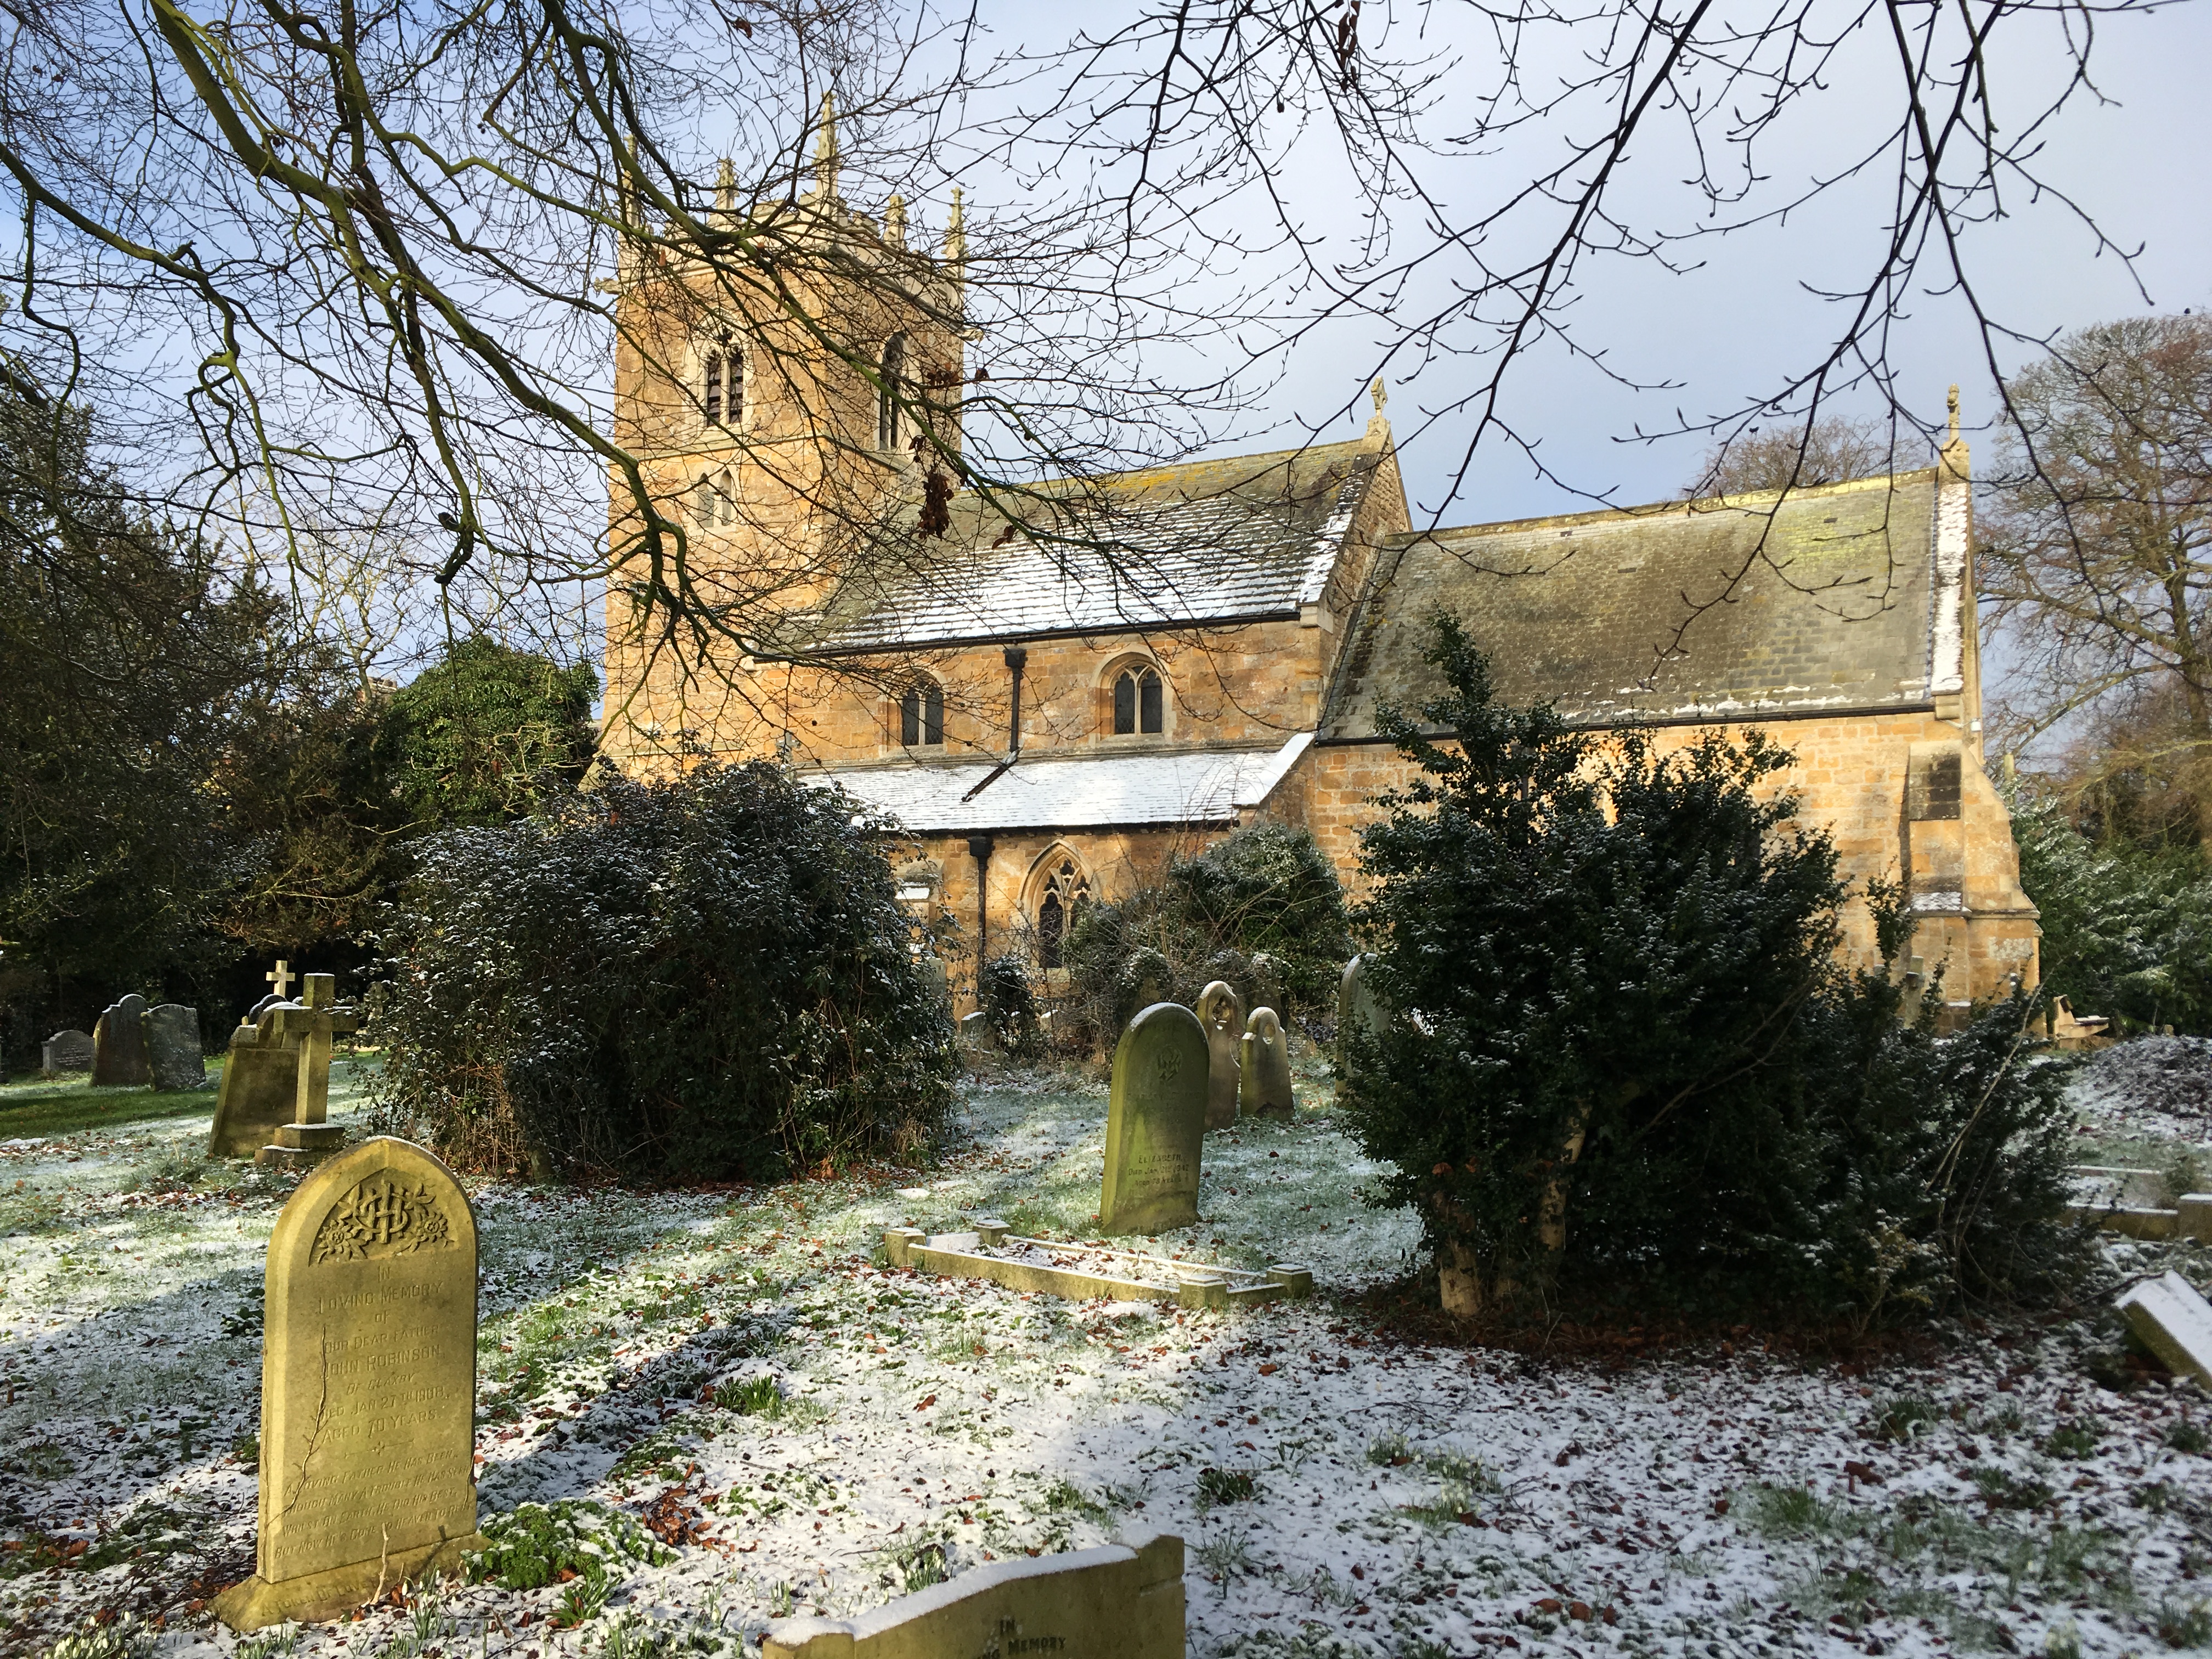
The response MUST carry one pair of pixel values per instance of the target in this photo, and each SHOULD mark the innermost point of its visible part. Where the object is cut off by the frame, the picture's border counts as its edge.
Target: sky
(1722, 333)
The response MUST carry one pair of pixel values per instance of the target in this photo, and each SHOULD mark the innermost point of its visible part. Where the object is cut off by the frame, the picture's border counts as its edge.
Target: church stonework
(1205, 645)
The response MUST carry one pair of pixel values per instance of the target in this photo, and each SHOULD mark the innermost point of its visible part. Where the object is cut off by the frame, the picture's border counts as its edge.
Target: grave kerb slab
(1188, 1283)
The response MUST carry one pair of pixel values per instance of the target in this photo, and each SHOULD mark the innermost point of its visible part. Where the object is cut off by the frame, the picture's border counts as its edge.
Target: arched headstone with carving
(1221, 1011)
(1266, 1068)
(118, 1045)
(367, 1387)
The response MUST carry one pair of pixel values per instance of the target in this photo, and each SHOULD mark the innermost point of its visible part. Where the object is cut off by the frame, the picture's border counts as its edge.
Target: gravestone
(368, 1387)
(1155, 1123)
(1265, 1089)
(975, 1032)
(1118, 1601)
(172, 1047)
(306, 1028)
(118, 1046)
(66, 1051)
(1355, 1005)
(2174, 1322)
(260, 1088)
(1221, 1011)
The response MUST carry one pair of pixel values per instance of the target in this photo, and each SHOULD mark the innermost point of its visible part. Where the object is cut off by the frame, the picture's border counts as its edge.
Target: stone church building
(1056, 693)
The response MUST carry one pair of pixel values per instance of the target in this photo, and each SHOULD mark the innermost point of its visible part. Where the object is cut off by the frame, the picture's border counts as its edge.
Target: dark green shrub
(1010, 1003)
(1261, 909)
(702, 979)
(487, 733)
(1624, 1061)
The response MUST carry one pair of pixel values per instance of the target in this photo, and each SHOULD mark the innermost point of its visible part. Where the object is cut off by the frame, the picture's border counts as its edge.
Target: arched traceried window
(921, 715)
(1066, 889)
(722, 394)
(1137, 706)
(887, 423)
(715, 500)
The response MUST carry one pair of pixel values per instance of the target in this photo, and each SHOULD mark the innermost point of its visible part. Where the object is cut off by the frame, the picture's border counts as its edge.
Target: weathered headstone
(260, 1088)
(118, 1045)
(1355, 1007)
(1221, 1011)
(306, 1028)
(936, 976)
(66, 1051)
(1155, 1123)
(172, 1047)
(2174, 1322)
(1114, 1602)
(975, 1032)
(367, 1387)
(1265, 1089)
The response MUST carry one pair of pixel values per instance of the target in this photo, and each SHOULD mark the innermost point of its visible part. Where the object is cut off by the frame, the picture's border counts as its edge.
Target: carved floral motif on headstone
(382, 1216)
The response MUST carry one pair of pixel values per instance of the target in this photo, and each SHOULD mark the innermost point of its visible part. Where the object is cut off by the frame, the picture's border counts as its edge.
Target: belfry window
(724, 394)
(889, 426)
(1066, 891)
(714, 500)
(1137, 705)
(921, 715)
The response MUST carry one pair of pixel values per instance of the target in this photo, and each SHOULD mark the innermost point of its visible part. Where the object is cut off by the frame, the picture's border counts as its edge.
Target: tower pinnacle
(826, 152)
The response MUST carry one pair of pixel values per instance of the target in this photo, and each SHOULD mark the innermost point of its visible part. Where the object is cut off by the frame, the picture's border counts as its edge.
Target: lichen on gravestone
(1155, 1123)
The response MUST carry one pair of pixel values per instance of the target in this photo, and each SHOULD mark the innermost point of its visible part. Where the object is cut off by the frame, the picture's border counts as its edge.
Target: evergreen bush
(706, 978)
(1624, 1058)
(1009, 1004)
(1261, 909)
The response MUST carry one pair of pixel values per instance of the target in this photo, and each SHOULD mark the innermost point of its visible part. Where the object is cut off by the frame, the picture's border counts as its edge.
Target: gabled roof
(1056, 789)
(1240, 539)
(1825, 602)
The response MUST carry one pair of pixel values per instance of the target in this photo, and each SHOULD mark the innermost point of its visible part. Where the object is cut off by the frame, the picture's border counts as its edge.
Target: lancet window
(1137, 704)
(1066, 889)
(921, 715)
(723, 396)
(889, 427)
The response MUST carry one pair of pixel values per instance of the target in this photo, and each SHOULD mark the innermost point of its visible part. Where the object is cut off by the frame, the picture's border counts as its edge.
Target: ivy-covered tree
(1619, 1050)
(488, 734)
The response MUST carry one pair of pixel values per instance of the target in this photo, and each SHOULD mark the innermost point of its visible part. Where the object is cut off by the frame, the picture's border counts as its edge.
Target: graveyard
(698, 1413)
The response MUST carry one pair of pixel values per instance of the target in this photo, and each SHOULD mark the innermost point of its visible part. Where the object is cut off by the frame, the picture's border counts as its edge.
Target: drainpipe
(979, 848)
(1018, 659)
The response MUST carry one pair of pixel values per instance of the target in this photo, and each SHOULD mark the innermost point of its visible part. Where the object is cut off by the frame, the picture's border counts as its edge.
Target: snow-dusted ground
(1339, 1492)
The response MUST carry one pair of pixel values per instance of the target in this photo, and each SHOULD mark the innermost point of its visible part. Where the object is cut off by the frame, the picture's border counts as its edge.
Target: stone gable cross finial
(281, 976)
(1380, 393)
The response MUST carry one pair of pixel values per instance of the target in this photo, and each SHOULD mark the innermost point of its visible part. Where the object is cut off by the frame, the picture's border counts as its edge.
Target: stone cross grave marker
(1155, 1123)
(1265, 1067)
(367, 1387)
(69, 1050)
(1117, 1601)
(1221, 1011)
(172, 1047)
(118, 1045)
(281, 976)
(306, 1028)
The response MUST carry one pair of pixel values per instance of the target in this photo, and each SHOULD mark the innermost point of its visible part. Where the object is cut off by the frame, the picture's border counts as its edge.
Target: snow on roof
(1053, 790)
(1242, 539)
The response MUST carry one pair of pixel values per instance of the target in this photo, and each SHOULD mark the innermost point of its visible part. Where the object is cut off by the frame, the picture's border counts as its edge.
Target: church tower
(787, 373)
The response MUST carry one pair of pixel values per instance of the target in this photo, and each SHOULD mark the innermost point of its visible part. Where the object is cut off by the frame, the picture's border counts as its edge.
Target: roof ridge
(1684, 505)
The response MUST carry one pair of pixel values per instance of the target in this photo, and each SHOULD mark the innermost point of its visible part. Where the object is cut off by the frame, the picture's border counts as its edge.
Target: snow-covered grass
(795, 1427)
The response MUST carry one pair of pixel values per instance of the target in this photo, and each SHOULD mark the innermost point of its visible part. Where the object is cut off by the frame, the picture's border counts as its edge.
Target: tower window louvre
(723, 396)
(893, 374)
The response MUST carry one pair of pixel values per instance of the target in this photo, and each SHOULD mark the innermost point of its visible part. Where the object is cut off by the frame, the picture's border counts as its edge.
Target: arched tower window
(1138, 706)
(723, 396)
(887, 423)
(921, 715)
(1060, 898)
(714, 499)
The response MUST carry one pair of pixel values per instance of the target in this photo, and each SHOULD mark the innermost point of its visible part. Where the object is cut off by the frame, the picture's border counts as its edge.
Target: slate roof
(1239, 539)
(1837, 611)
(1056, 790)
